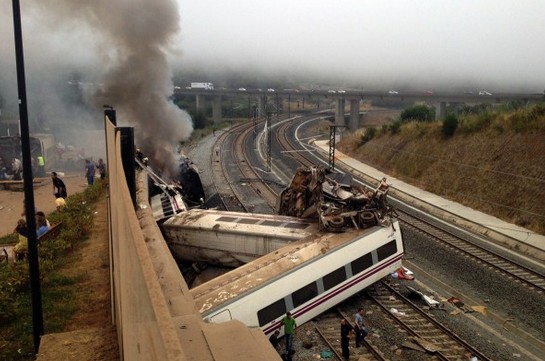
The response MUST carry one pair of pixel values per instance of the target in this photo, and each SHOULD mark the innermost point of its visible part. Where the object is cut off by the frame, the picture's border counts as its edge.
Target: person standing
(289, 329)
(3, 169)
(359, 327)
(16, 169)
(41, 166)
(89, 172)
(101, 166)
(59, 188)
(346, 329)
(274, 339)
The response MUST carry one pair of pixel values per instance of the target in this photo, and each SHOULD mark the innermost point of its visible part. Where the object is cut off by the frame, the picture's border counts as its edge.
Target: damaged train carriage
(334, 200)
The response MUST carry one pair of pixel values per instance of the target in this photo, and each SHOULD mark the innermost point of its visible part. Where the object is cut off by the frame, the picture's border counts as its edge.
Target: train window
(304, 294)
(226, 219)
(271, 312)
(362, 263)
(270, 223)
(387, 250)
(334, 278)
(248, 221)
(296, 225)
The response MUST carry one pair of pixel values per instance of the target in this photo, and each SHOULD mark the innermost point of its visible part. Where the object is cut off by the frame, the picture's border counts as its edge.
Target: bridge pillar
(354, 121)
(339, 111)
(442, 114)
(201, 103)
(216, 109)
(262, 106)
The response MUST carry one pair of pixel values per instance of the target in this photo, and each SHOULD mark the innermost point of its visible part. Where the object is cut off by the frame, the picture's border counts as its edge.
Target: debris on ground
(430, 301)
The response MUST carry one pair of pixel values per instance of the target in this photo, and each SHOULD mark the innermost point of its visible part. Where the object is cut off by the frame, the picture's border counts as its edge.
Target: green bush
(421, 113)
(57, 291)
(449, 125)
(395, 127)
(367, 135)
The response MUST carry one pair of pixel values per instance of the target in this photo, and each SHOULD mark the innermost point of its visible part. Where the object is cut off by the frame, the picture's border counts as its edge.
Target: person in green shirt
(41, 166)
(289, 329)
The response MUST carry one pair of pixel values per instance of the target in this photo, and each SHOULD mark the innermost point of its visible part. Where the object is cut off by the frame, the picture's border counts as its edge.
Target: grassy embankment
(59, 290)
(494, 161)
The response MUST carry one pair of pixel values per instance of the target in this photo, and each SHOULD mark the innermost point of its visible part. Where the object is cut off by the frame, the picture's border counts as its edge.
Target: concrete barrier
(154, 314)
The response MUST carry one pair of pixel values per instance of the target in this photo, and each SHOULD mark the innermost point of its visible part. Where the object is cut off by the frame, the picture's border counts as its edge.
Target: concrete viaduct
(340, 98)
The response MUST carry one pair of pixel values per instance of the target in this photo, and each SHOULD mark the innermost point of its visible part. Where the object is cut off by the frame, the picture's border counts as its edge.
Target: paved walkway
(508, 234)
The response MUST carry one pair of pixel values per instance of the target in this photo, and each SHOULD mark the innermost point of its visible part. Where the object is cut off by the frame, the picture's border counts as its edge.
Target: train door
(223, 316)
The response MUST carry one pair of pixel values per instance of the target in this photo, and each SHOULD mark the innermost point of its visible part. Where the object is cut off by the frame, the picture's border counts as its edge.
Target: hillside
(496, 165)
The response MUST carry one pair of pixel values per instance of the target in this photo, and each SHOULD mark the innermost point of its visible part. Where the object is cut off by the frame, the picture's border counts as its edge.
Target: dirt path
(89, 334)
(11, 202)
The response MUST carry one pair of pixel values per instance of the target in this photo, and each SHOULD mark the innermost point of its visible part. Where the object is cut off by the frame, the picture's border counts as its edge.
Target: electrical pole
(332, 141)
(269, 142)
(33, 264)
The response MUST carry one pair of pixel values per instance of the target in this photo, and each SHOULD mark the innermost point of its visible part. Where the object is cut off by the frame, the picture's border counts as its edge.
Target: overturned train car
(306, 277)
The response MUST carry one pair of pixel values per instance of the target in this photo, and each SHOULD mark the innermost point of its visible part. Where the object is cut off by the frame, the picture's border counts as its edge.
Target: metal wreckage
(332, 197)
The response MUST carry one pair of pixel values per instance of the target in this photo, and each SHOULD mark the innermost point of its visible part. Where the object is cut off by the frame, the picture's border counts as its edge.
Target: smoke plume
(133, 40)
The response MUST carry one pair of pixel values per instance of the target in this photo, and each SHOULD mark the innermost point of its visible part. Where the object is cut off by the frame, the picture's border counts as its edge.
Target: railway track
(329, 331)
(428, 333)
(513, 270)
(251, 175)
(221, 160)
(416, 322)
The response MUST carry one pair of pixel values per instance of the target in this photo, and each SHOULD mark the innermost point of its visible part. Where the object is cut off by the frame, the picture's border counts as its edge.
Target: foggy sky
(126, 52)
(493, 44)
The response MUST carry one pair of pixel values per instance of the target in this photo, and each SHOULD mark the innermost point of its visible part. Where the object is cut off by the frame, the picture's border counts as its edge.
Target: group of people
(15, 172)
(91, 168)
(289, 323)
(358, 329)
(22, 232)
(42, 224)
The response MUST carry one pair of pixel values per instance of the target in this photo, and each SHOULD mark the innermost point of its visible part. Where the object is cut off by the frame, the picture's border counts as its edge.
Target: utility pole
(332, 140)
(269, 143)
(33, 264)
(289, 105)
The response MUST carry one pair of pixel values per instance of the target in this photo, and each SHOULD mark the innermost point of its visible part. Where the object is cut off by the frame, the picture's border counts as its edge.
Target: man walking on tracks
(346, 329)
(289, 330)
(359, 327)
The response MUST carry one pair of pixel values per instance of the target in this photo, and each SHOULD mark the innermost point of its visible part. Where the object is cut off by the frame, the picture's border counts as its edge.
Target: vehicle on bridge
(205, 86)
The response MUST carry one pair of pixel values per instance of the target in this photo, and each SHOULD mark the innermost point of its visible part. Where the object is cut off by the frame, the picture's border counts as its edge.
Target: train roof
(242, 223)
(273, 265)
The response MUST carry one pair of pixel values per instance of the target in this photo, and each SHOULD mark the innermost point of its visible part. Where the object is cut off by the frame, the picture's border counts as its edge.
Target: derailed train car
(358, 242)
(334, 201)
(305, 278)
(230, 238)
(192, 188)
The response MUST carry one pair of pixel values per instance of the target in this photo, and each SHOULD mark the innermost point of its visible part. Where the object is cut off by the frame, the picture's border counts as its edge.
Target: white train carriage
(306, 278)
(231, 238)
